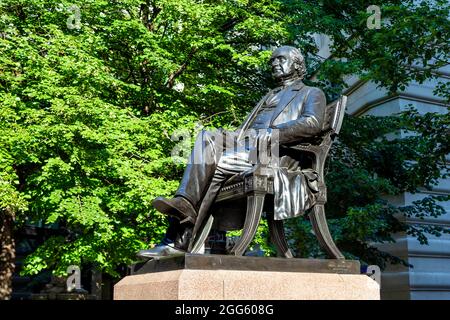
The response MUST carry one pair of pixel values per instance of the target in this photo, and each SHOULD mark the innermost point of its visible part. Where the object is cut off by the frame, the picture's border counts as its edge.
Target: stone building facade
(430, 276)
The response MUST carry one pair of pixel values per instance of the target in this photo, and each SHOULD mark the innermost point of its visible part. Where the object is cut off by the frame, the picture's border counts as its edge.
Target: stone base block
(245, 285)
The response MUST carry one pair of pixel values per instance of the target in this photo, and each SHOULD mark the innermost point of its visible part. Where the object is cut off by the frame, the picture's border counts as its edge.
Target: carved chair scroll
(259, 183)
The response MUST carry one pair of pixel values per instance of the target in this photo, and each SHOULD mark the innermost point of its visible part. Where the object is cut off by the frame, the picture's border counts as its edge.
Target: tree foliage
(88, 108)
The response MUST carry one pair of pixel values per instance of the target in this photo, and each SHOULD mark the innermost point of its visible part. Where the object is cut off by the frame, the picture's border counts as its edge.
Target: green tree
(89, 99)
(11, 202)
(378, 157)
(89, 102)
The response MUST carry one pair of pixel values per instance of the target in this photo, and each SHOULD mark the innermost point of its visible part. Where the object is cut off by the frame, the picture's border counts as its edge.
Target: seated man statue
(293, 110)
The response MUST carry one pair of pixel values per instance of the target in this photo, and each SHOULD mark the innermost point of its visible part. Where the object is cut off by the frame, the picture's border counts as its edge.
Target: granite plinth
(215, 277)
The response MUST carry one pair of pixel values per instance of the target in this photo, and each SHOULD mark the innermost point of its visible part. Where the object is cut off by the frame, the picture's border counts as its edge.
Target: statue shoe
(161, 250)
(177, 207)
(184, 237)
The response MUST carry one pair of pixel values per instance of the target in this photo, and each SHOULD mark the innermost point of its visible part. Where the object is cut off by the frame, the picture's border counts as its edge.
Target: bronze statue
(285, 116)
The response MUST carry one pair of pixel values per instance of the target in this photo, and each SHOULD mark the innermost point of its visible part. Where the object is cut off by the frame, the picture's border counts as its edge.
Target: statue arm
(309, 123)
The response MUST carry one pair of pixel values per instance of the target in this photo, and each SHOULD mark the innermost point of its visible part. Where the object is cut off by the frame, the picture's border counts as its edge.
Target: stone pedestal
(217, 277)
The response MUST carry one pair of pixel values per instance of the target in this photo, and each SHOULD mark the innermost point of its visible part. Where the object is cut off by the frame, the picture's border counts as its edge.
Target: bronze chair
(259, 183)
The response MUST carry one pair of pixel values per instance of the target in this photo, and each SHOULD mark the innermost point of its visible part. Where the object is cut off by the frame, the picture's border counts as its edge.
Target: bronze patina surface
(279, 151)
(229, 262)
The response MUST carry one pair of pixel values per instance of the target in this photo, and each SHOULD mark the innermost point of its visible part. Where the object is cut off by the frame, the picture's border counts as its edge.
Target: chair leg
(197, 245)
(320, 227)
(278, 237)
(255, 204)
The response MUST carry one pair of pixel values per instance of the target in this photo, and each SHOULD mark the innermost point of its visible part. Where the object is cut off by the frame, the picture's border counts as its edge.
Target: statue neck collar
(289, 82)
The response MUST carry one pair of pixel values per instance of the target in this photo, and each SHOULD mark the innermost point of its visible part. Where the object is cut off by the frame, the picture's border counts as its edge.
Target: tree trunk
(7, 254)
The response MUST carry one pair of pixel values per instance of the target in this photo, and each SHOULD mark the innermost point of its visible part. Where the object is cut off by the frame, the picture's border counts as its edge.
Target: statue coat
(299, 115)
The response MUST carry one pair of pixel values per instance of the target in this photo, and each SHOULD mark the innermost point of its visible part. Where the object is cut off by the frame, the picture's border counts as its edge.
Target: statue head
(287, 63)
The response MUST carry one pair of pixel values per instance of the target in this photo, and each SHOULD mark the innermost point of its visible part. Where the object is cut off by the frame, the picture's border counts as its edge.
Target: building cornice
(408, 96)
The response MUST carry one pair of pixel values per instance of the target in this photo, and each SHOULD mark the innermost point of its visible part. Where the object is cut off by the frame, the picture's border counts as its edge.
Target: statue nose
(276, 65)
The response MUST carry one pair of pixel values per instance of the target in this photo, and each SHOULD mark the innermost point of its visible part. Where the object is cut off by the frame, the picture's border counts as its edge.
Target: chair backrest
(335, 114)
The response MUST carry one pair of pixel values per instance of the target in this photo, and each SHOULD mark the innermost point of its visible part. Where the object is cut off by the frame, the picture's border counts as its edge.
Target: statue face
(283, 65)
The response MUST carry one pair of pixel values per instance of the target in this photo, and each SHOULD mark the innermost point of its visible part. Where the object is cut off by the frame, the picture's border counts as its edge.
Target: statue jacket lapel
(285, 101)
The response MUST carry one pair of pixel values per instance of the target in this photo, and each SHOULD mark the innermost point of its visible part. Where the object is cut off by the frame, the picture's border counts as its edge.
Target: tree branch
(170, 82)
(148, 20)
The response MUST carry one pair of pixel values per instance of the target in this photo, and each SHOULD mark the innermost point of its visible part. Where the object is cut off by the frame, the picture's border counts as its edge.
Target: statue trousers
(214, 159)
